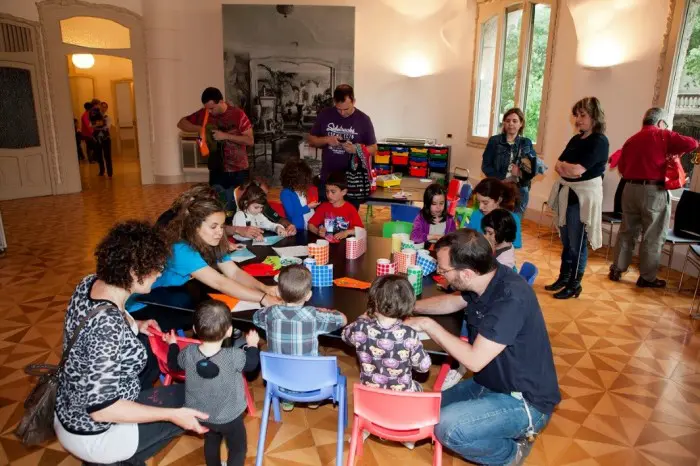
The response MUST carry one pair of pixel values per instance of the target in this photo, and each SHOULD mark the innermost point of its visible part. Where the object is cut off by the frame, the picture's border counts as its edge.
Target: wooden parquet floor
(628, 360)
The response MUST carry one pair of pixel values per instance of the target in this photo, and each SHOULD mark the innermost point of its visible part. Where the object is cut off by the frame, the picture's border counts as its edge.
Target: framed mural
(283, 80)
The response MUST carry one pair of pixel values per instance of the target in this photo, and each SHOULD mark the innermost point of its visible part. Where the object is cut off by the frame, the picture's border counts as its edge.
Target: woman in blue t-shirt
(200, 250)
(492, 194)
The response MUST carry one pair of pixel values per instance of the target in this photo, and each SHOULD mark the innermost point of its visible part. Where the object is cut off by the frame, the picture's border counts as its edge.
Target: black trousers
(235, 435)
(154, 436)
(228, 180)
(103, 155)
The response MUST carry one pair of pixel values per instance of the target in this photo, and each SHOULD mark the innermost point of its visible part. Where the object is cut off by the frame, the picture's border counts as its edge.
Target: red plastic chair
(160, 350)
(278, 207)
(398, 416)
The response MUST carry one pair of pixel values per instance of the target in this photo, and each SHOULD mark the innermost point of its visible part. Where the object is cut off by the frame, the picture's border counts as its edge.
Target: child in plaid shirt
(293, 328)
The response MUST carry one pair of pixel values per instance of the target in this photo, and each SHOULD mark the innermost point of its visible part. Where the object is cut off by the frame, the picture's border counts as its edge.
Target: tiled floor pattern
(628, 360)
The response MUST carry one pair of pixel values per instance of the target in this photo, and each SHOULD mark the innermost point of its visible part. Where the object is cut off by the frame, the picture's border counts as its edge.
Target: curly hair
(391, 296)
(296, 175)
(592, 106)
(253, 194)
(185, 227)
(130, 247)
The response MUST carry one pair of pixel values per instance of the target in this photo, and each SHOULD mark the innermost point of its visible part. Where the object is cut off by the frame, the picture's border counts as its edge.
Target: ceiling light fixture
(83, 61)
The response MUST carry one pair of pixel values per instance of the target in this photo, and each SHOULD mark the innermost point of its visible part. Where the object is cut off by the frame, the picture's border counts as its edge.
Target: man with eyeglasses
(646, 204)
(337, 129)
(493, 417)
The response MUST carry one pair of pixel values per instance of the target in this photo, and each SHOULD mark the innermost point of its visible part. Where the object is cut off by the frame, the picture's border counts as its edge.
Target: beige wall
(27, 8)
(106, 70)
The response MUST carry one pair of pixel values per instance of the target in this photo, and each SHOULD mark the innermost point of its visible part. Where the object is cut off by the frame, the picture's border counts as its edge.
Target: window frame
(486, 9)
(668, 75)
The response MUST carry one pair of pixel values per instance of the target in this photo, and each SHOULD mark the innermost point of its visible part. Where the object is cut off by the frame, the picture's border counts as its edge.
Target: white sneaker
(454, 376)
(365, 434)
(410, 445)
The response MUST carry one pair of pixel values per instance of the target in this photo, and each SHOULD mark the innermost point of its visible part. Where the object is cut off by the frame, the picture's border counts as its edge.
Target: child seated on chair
(388, 350)
(251, 205)
(296, 179)
(433, 222)
(293, 328)
(335, 217)
(499, 228)
(213, 380)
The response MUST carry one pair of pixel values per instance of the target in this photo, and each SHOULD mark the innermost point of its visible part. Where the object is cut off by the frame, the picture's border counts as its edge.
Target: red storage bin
(399, 159)
(419, 172)
(415, 164)
(437, 151)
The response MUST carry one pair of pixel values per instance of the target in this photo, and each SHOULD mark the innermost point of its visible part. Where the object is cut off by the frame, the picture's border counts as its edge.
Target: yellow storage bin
(388, 181)
(382, 159)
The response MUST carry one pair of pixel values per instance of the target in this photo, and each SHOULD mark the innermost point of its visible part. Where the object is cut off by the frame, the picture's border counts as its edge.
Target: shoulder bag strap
(76, 332)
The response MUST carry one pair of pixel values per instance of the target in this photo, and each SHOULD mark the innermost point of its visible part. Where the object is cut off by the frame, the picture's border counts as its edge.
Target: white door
(124, 115)
(24, 169)
(82, 89)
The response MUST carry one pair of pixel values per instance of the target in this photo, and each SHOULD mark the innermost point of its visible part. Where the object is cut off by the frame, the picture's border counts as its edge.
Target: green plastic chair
(390, 228)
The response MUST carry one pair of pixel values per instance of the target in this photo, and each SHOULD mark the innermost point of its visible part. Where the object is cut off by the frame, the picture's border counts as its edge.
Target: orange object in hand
(202, 141)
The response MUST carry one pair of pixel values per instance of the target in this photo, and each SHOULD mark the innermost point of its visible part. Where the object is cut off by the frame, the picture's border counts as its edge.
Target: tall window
(682, 80)
(513, 63)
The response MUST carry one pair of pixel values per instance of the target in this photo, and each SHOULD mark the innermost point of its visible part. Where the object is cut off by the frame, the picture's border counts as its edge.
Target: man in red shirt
(646, 204)
(231, 132)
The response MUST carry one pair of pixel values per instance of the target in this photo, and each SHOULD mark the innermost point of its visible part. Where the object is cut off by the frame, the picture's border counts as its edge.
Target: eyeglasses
(444, 271)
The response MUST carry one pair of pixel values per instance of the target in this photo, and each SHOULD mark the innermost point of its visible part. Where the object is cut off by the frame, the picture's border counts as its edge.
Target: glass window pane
(510, 63)
(535, 75)
(18, 127)
(95, 33)
(484, 85)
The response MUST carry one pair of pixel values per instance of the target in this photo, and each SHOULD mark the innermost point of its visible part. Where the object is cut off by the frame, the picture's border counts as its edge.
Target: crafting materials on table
(285, 261)
(426, 262)
(274, 261)
(415, 277)
(230, 301)
(403, 259)
(397, 239)
(245, 306)
(331, 239)
(357, 245)
(260, 270)
(268, 240)
(292, 251)
(241, 255)
(320, 251)
(385, 267)
(347, 282)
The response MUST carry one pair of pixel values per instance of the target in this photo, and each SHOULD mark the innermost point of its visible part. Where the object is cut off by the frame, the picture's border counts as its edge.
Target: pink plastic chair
(160, 350)
(398, 416)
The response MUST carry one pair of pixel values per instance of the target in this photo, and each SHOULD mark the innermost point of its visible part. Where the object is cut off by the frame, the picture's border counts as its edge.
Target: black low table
(351, 302)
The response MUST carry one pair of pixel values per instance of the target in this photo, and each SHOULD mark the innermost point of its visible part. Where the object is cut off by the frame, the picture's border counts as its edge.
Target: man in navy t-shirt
(337, 130)
(493, 417)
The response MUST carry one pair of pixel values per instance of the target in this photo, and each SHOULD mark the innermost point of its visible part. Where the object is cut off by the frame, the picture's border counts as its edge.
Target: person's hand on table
(252, 338)
(170, 337)
(332, 141)
(349, 147)
(280, 230)
(143, 326)
(189, 419)
(235, 246)
(419, 324)
(291, 230)
(342, 234)
(322, 231)
(250, 232)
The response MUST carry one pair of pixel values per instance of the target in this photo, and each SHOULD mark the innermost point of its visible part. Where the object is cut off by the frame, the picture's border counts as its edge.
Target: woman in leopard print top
(102, 415)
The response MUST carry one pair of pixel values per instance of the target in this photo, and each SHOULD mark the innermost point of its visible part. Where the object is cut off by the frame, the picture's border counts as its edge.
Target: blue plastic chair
(404, 213)
(529, 272)
(311, 379)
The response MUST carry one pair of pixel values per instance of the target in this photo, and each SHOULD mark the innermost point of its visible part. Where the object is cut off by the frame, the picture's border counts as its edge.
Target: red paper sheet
(260, 270)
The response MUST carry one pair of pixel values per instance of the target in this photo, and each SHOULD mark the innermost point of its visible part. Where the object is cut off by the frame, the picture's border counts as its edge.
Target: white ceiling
(313, 27)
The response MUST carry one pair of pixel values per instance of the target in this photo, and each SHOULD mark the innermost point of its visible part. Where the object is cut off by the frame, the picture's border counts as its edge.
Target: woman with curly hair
(296, 179)
(105, 413)
(200, 250)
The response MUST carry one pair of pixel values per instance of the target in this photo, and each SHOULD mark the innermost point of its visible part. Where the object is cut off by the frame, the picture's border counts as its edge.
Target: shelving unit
(413, 160)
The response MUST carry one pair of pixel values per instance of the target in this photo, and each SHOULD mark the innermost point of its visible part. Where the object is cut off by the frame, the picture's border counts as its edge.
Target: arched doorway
(71, 27)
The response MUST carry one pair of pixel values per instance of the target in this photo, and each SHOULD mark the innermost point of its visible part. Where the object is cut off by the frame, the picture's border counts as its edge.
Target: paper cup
(407, 244)
(405, 258)
(415, 277)
(309, 262)
(385, 267)
(396, 240)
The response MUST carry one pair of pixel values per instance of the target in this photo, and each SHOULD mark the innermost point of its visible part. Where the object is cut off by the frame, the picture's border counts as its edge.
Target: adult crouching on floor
(104, 414)
(577, 197)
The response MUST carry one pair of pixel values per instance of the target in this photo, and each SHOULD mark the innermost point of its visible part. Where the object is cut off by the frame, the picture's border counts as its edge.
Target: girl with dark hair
(251, 206)
(200, 250)
(577, 197)
(433, 222)
(510, 156)
(107, 411)
(493, 194)
(499, 228)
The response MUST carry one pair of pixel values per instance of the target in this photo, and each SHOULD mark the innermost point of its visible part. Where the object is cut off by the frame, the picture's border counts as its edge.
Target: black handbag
(36, 425)
(686, 223)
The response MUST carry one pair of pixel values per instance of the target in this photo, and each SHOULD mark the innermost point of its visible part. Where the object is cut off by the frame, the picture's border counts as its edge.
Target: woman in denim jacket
(510, 157)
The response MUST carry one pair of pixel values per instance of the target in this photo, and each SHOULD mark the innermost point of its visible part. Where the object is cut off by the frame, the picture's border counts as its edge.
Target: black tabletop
(350, 302)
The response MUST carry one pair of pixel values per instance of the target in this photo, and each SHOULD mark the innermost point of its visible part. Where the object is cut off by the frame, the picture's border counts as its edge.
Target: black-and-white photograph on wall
(281, 64)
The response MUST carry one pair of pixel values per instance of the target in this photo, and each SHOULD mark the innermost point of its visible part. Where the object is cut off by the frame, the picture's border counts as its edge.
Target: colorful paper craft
(230, 301)
(274, 261)
(347, 282)
(241, 255)
(260, 270)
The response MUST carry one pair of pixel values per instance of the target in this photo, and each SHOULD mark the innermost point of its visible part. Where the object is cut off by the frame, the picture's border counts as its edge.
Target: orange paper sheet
(230, 301)
(347, 282)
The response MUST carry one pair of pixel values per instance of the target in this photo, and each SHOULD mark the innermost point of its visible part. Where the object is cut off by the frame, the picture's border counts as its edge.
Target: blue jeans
(524, 192)
(574, 239)
(483, 426)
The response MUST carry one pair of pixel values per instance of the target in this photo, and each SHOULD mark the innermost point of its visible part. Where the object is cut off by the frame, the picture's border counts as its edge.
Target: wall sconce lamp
(83, 61)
